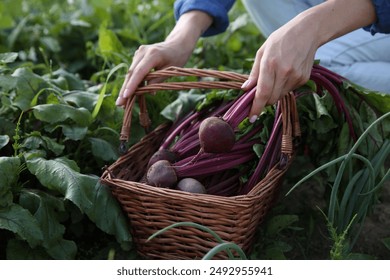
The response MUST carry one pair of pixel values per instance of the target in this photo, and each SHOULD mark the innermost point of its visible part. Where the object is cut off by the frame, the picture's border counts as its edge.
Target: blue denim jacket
(219, 9)
(382, 25)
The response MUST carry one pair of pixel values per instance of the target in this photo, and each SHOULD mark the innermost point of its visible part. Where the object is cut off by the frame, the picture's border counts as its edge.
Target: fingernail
(245, 84)
(253, 119)
(118, 101)
(126, 93)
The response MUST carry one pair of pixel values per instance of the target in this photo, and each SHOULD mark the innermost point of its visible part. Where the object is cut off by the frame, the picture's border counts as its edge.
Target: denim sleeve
(382, 25)
(218, 9)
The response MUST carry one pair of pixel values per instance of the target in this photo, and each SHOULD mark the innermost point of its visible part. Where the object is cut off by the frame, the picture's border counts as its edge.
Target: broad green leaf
(74, 132)
(73, 81)
(184, 103)
(8, 57)
(62, 249)
(109, 44)
(9, 171)
(103, 149)
(50, 43)
(344, 141)
(7, 83)
(20, 250)
(57, 176)
(56, 113)
(70, 163)
(36, 141)
(379, 100)
(45, 208)
(4, 140)
(27, 84)
(21, 222)
(6, 21)
(107, 214)
(279, 223)
(81, 99)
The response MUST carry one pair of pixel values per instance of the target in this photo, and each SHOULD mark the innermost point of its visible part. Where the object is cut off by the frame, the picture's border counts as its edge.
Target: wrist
(189, 27)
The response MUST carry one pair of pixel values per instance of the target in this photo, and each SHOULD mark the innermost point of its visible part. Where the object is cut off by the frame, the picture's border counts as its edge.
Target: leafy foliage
(61, 67)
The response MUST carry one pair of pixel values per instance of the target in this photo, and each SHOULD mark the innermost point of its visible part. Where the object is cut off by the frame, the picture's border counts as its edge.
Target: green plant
(350, 204)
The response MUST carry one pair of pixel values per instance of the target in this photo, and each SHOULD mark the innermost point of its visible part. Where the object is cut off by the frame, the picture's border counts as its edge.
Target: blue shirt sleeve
(218, 9)
(382, 25)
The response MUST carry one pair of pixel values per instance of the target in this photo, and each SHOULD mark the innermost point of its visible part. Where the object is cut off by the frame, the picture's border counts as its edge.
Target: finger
(254, 74)
(264, 89)
(138, 55)
(139, 73)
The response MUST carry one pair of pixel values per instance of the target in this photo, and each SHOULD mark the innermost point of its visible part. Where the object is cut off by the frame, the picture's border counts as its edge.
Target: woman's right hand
(174, 51)
(147, 57)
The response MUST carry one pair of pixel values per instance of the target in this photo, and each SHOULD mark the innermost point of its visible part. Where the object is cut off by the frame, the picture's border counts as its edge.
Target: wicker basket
(149, 209)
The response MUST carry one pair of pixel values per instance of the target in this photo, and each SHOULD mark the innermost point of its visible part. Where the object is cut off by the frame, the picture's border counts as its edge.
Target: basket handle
(226, 80)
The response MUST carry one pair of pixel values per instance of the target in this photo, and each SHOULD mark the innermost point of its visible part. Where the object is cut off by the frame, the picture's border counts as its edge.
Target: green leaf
(103, 90)
(107, 214)
(27, 85)
(56, 113)
(109, 44)
(36, 141)
(7, 83)
(9, 171)
(62, 249)
(82, 99)
(4, 140)
(103, 149)
(21, 222)
(379, 100)
(57, 176)
(20, 250)
(184, 103)
(8, 57)
(277, 223)
(74, 132)
(9, 174)
(46, 208)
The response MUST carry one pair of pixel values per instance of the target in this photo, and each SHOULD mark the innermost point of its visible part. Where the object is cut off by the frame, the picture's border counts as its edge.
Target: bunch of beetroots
(208, 152)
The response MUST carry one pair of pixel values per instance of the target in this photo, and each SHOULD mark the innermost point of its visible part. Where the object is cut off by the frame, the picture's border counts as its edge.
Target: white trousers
(358, 56)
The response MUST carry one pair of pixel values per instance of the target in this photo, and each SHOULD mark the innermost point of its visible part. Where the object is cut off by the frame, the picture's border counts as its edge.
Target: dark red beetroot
(191, 185)
(161, 174)
(216, 135)
(162, 154)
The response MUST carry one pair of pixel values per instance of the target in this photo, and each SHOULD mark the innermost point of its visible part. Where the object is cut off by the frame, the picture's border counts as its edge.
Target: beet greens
(241, 157)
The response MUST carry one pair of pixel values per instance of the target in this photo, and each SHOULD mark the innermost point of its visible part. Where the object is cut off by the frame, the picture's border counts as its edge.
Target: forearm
(189, 27)
(335, 18)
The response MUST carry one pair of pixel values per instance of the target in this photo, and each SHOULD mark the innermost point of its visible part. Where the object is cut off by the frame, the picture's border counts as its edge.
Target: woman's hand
(174, 51)
(147, 57)
(282, 64)
(285, 60)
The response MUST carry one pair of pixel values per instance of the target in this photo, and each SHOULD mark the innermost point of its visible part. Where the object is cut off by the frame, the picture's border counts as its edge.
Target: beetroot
(162, 154)
(216, 135)
(161, 174)
(191, 185)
